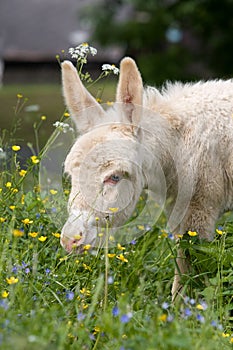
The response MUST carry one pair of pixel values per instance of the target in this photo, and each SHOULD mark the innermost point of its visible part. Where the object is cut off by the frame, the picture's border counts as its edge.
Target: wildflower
(19, 95)
(219, 230)
(81, 51)
(43, 117)
(8, 184)
(27, 221)
(115, 311)
(80, 316)
(202, 306)
(87, 247)
(133, 242)
(18, 233)
(126, 317)
(113, 210)
(165, 305)
(86, 267)
(5, 294)
(192, 233)
(42, 238)
(69, 295)
(14, 190)
(225, 335)
(108, 68)
(53, 192)
(12, 280)
(35, 159)
(120, 247)
(109, 103)
(85, 291)
(187, 312)
(2, 219)
(111, 255)
(27, 270)
(56, 234)
(64, 127)
(231, 340)
(122, 258)
(163, 318)
(12, 207)
(200, 318)
(110, 280)
(33, 234)
(15, 148)
(98, 100)
(66, 114)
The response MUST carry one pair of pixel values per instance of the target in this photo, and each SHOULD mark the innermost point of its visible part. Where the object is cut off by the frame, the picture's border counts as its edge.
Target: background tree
(170, 39)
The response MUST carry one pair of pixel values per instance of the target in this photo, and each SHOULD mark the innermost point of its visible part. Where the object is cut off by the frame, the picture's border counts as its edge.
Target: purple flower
(69, 295)
(133, 242)
(47, 271)
(110, 280)
(24, 264)
(4, 304)
(115, 311)
(14, 269)
(170, 318)
(27, 270)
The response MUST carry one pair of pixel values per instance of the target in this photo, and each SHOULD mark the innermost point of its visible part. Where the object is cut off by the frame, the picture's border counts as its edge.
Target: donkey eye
(113, 179)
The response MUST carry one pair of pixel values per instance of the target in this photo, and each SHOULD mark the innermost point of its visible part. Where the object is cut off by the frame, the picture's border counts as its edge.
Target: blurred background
(170, 40)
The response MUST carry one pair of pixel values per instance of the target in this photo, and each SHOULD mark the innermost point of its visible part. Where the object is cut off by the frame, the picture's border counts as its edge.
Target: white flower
(82, 50)
(64, 127)
(110, 68)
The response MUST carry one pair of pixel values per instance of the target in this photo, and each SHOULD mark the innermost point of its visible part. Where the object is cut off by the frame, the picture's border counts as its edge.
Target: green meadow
(114, 299)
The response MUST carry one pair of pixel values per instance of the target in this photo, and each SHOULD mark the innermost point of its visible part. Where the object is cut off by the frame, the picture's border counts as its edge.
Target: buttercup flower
(5, 294)
(53, 191)
(18, 233)
(22, 172)
(2, 219)
(122, 258)
(33, 234)
(15, 148)
(27, 221)
(35, 159)
(8, 184)
(192, 233)
(42, 238)
(12, 280)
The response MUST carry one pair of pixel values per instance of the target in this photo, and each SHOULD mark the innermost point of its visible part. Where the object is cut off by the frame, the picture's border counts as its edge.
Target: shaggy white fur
(186, 130)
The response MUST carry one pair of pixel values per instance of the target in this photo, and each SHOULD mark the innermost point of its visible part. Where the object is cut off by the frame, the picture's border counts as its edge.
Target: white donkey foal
(186, 130)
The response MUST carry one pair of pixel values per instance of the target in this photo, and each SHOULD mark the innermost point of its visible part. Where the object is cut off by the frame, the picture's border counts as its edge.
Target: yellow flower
(113, 210)
(141, 227)
(2, 219)
(163, 318)
(8, 184)
(220, 232)
(120, 247)
(5, 294)
(122, 258)
(66, 192)
(12, 280)
(12, 207)
(19, 95)
(85, 291)
(111, 255)
(43, 117)
(231, 340)
(35, 159)
(199, 307)
(56, 234)
(14, 190)
(27, 221)
(18, 233)
(53, 191)
(192, 233)
(42, 238)
(22, 172)
(98, 100)
(109, 103)
(225, 335)
(66, 114)
(33, 234)
(87, 247)
(15, 148)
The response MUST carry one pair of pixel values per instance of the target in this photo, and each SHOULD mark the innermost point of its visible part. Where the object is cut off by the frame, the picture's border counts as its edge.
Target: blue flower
(126, 317)
(133, 242)
(115, 311)
(69, 295)
(187, 312)
(110, 280)
(80, 316)
(165, 305)
(4, 304)
(200, 318)
(47, 271)
(27, 270)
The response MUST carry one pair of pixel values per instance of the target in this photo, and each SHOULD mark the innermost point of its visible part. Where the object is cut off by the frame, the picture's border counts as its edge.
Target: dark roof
(35, 30)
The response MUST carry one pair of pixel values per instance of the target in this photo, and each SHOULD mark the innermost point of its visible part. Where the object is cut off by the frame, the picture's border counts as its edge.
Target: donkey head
(105, 164)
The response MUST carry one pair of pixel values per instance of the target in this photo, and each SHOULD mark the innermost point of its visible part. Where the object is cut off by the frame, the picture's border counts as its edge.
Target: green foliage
(149, 34)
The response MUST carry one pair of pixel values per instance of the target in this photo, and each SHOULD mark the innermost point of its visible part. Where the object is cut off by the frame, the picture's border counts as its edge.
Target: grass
(51, 300)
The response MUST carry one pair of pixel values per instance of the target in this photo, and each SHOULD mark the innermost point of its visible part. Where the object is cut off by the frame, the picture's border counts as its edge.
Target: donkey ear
(84, 109)
(130, 91)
